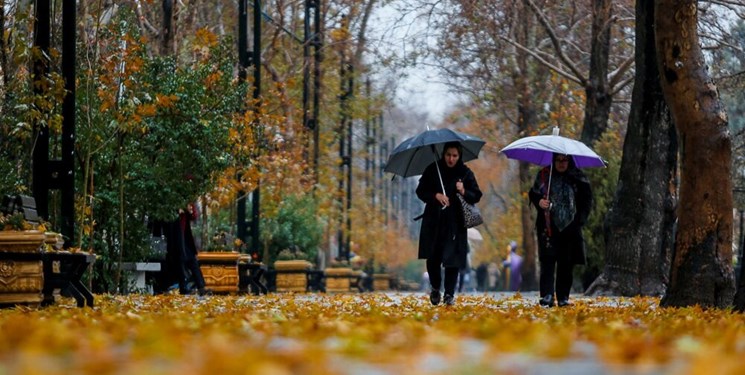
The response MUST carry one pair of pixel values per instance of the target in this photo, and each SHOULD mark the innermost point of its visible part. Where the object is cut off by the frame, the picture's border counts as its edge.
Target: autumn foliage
(382, 333)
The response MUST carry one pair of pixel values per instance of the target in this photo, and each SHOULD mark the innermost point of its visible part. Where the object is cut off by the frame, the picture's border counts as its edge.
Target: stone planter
(292, 275)
(220, 270)
(21, 268)
(338, 279)
(381, 281)
(16, 241)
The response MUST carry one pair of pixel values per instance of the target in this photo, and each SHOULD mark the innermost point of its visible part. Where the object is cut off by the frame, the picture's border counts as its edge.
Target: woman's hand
(459, 187)
(443, 199)
(544, 203)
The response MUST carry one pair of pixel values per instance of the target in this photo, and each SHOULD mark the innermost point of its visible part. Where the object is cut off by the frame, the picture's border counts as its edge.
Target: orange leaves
(387, 333)
(205, 38)
(165, 101)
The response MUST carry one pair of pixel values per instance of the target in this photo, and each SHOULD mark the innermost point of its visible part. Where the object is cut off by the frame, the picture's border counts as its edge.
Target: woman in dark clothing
(442, 239)
(183, 250)
(560, 241)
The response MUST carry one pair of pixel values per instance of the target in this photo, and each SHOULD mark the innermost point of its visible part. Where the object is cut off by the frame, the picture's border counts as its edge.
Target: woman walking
(563, 198)
(442, 239)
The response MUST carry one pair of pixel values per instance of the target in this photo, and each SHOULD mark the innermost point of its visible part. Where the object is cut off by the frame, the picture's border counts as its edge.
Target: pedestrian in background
(514, 264)
(183, 251)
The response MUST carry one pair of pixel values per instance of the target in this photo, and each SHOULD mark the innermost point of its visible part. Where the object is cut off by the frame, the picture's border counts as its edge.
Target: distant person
(183, 252)
(561, 215)
(514, 262)
(442, 239)
(482, 275)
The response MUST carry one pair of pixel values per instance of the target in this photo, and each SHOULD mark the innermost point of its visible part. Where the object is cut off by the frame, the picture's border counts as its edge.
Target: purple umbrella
(540, 149)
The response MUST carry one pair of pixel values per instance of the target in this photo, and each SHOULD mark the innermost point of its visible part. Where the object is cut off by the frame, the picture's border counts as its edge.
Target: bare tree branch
(558, 69)
(557, 44)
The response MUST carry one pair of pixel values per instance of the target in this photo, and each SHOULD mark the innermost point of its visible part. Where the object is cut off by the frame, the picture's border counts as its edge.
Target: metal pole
(67, 174)
(244, 61)
(256, 60)
(342, 148)
(41, 144)
(317, 58)
(350, 123)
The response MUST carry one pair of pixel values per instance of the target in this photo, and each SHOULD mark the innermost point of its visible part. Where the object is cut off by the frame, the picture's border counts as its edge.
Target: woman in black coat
(442, 239)
(560, 243)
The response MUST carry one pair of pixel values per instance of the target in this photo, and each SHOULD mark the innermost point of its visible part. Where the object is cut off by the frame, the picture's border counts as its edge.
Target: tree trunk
(167, 32)
(525, 79)
(639, 226)
(599, 100)
(702, 264)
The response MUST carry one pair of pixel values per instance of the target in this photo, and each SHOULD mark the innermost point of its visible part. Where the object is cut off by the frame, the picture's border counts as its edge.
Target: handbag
(471, 213)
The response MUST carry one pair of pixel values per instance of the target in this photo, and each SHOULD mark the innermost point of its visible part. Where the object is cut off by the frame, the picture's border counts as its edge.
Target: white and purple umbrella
(540, 150)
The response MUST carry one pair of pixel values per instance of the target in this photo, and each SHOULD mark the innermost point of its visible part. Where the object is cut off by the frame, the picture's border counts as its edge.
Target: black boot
(547, 300)
(434, 297)
(449, 299)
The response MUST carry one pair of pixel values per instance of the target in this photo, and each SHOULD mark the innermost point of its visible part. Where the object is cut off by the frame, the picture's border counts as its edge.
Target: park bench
(137, 274)
(250, 275)
(60, 271)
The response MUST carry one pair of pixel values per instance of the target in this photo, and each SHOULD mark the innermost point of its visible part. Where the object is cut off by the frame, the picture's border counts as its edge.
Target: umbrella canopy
(539, 150)
(412, 156)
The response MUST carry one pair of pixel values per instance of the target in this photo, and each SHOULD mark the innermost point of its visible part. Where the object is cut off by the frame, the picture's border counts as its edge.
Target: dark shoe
(449, 299)
(205, 292)
(564, 302)
(434, 297)
(547, 301)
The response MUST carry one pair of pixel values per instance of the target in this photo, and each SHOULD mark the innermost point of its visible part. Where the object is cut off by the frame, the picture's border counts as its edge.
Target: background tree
(640, 223)
(702, 264)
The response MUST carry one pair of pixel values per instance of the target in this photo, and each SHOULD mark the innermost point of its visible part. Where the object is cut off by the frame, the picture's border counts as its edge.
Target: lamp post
(56, 174)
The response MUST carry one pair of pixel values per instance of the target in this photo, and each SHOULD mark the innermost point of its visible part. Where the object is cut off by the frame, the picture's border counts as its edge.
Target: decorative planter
(21, 282)
(26, 241)
(21, 270)
(220, 270)
(381, 281)
(338, 279)
(292, 275)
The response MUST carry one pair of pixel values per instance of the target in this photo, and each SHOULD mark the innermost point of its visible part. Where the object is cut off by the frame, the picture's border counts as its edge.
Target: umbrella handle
(434, 152)
(439, 174)
(547, 213)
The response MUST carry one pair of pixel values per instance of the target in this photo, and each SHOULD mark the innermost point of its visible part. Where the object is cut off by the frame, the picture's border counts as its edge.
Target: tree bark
(599, 99)
(702, 264)
(167, 33)
(640, 223)
(526, 123)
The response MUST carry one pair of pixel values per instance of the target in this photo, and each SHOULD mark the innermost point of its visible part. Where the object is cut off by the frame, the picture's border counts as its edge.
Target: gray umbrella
(412, 156)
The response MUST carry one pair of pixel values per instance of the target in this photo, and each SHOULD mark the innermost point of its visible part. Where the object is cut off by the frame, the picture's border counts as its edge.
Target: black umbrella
(412, 156)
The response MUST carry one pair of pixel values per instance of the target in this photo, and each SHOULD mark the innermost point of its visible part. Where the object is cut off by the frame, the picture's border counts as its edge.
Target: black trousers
(191, 272)
(563, 268)
(434, 263)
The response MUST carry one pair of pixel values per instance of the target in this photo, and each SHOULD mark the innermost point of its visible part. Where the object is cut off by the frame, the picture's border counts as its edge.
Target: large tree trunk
(526, 122)
(702, 266)
(640, 223)
(599, 99)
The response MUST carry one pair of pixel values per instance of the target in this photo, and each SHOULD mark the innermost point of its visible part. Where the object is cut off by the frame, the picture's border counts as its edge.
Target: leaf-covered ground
(372, 333)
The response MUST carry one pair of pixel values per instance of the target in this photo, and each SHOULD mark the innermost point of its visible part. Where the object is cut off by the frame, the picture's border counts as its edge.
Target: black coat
(570, 242)
(440, 227)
